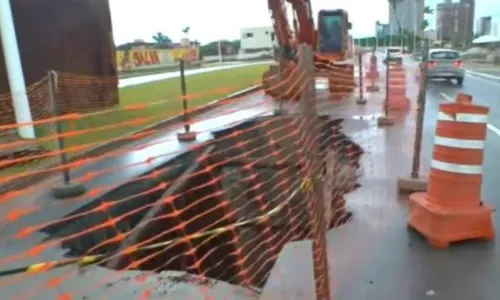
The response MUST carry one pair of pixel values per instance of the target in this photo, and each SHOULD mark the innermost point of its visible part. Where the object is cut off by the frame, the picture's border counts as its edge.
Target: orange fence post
(452, 209)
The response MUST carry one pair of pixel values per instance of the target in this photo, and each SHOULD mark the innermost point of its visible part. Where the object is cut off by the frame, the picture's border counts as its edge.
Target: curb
(122, 141)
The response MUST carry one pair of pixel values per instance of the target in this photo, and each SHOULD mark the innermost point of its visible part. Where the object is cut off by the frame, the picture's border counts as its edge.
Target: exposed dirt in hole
(223, 195)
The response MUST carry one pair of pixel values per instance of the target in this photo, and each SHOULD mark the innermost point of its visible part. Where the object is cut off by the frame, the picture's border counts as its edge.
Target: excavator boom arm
(280, 22)
(303, 10)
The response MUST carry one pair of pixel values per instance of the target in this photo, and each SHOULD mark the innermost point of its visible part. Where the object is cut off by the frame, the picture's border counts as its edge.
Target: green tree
(427, 12)
(425, 23)
(161, 38)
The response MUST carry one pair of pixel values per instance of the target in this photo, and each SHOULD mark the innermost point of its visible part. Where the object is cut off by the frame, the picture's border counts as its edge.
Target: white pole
(220, 51)
(14, 70)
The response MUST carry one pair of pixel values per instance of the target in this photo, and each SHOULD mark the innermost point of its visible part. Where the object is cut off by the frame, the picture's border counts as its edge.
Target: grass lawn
(161, 99)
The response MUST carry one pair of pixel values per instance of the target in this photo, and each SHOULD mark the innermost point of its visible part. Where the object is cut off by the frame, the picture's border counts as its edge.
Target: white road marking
(483, 75)
(490, 126)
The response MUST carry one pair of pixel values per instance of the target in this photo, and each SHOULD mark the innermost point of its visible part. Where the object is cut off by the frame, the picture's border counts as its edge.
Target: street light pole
(14, 69)
(220, 51)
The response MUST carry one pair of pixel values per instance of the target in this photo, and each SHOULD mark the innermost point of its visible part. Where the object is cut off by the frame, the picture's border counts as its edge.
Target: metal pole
(14, 69)
(387, 73)
(52, 76)
(184, 98)
(220, 51)
(281, 106)
(316, 196)
(420, 112)
(67, 189)
(361, 99)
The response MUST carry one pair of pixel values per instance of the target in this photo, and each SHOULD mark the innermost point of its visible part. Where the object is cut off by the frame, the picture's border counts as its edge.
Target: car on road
(394, 55)
(445, 64)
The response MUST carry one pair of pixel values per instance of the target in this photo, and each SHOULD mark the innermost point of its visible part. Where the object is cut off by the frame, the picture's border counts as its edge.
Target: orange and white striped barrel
(457, 160)
(397, 99)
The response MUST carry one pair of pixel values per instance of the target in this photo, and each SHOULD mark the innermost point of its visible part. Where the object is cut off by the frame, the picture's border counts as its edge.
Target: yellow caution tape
(90, 259)
(308, 184)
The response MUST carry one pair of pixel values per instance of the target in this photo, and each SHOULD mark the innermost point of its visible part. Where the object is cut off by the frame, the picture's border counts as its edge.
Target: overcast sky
(222, 19)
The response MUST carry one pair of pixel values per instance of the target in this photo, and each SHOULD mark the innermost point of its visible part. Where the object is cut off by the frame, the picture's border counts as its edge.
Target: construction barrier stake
(385, 120)
(414, 183)
(67, 189)
(361, 99)
(387, 74)
(420, 113)
(280, 111)
(186, 136)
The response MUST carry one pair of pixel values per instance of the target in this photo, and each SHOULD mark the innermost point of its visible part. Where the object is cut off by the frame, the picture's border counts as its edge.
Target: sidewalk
(375, 256)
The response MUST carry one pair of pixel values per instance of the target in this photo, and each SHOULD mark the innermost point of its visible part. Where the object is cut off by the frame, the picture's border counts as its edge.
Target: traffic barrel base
(373, 88)
(444, 225)
(412, 185)
(398, 103)
(385, 121)
(186, 136)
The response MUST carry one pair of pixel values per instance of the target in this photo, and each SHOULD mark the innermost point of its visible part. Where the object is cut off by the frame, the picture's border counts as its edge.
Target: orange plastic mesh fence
(159, 213)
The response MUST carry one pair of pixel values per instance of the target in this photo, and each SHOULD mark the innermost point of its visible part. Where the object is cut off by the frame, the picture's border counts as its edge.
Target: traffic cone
(397, 100)
(452, 209)
(373, 75)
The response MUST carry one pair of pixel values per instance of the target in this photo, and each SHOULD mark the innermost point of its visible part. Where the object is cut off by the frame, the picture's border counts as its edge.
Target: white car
(445, 64)
(394, 54)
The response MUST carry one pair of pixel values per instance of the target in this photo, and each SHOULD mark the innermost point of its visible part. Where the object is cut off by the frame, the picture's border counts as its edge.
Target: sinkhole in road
(189, 215)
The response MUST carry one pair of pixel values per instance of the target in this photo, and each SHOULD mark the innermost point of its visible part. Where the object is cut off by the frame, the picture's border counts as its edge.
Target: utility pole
(14, 69)
(220, 51)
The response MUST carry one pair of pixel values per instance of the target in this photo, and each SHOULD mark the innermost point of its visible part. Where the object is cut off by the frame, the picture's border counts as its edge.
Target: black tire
(460, 81)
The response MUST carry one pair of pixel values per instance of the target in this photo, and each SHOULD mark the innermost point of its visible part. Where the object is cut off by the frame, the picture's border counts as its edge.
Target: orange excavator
(331, 43)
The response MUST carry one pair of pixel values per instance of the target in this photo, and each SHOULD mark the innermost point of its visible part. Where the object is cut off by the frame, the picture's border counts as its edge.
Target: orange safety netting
(220, 208)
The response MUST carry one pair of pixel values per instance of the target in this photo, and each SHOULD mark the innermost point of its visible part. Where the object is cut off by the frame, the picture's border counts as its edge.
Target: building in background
(495, 26)
(257, 39)
(488, 26)
(382, 30)
(455, 22)
(484, 26)
(409, 13)
(431, 35)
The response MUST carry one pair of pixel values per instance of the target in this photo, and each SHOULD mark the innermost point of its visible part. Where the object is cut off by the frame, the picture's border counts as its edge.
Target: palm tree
(160, 38)
(427, 11)
(186, 30)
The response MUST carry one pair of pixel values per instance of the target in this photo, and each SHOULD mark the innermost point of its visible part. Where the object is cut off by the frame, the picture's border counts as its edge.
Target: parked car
(445, 64)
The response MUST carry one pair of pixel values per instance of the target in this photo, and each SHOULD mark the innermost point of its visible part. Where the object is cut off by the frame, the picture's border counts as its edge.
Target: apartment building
(488, 26)
(455, 21)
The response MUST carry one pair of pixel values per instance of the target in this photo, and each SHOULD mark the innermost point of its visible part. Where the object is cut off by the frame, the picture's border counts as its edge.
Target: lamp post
(14, 70)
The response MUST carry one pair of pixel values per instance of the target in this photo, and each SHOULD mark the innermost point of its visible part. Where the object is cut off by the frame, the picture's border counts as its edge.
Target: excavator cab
(333, 44)
(333, 33)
